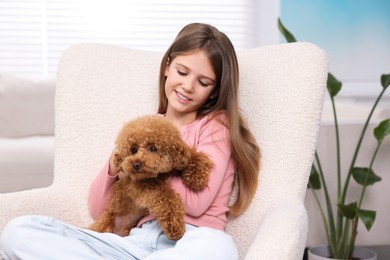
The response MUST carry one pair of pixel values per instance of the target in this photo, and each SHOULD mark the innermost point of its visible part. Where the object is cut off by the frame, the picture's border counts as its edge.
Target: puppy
(149, 150)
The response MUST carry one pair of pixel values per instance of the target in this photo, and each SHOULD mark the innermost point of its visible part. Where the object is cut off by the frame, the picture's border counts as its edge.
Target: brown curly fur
(149, 150)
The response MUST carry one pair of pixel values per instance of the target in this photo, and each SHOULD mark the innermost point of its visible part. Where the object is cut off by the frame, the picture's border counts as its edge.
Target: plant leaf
(333, 85)
(287, 35)
(367, 216)
(382, 130)
(359, 174)
(314, 179)
(385, 80)
(348, 211)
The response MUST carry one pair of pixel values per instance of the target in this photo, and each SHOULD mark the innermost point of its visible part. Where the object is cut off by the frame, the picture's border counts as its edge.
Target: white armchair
(102, 86)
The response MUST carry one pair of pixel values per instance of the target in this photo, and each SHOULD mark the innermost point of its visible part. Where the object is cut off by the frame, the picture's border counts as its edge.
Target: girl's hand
(113, 170)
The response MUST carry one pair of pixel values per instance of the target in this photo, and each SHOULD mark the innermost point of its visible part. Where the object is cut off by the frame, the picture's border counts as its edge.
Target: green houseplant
(341, 226)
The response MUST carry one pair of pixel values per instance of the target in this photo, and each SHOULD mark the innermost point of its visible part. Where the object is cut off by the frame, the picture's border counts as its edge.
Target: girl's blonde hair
(220, 51)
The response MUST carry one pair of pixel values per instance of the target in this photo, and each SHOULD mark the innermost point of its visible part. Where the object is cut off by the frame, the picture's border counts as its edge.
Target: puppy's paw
(174, 229)
(175, 234)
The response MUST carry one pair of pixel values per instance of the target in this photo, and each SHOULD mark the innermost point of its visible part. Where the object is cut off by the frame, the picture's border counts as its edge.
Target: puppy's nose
(137, 166)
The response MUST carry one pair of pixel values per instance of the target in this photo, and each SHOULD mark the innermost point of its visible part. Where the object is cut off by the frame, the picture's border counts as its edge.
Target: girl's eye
(133, 149)
(181, 73)
(203, 84)
(153, 149)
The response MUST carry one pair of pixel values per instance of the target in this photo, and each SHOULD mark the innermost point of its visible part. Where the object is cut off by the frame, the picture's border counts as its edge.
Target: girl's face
(189, 84)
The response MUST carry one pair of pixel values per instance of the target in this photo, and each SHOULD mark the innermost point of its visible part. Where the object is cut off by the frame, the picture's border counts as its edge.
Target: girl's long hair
(220, 51)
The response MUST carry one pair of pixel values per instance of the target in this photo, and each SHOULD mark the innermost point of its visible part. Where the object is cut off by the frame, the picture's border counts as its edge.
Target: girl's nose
(187, 87)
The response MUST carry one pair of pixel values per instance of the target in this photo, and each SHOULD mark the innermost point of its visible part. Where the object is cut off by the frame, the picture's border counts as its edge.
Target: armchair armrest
(58, 202)
(282, 232)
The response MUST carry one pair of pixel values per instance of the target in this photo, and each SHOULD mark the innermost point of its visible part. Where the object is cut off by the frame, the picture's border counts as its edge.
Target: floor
(383, 252)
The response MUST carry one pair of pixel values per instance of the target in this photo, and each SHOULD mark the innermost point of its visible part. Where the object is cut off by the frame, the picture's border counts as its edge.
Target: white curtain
(34, 33)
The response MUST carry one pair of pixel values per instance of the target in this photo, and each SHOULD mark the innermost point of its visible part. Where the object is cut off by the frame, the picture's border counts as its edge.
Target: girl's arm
(214, 141)
(101, 187)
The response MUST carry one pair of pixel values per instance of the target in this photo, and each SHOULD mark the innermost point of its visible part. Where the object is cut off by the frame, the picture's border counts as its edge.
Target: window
(34, 33)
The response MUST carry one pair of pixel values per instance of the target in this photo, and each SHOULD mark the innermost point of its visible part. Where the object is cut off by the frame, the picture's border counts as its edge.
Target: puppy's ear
(180, 154)
(117, 159)
(196, 174)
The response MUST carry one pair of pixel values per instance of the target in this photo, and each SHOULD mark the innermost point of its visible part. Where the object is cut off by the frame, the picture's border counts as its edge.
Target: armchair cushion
(102, 86)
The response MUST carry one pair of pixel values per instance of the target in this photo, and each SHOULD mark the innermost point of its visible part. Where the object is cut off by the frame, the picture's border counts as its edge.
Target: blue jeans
(40, 237)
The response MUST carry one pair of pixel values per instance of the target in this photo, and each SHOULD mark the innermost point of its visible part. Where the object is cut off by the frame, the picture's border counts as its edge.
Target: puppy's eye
(153, 149)
(133, 149)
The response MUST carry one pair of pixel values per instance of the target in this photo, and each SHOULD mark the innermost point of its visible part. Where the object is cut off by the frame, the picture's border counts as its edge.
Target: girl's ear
(167, 67)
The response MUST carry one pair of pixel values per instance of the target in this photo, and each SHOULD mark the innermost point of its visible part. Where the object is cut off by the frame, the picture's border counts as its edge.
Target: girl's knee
(215, 235)
(14, 225)
(15, 232)
(15, 229)
(215, 242)
(8, 235)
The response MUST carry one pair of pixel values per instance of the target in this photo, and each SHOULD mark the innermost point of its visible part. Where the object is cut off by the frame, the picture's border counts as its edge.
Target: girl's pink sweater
(206, 208)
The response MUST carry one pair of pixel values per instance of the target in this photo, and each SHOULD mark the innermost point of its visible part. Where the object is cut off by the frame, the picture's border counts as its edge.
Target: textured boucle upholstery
(101, 86)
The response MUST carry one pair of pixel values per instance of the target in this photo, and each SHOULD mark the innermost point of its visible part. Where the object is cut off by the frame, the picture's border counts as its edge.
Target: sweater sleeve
(100, 191)
(214, 141)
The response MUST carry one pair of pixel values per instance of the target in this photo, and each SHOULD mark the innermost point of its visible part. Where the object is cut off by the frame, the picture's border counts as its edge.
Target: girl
(198, 87)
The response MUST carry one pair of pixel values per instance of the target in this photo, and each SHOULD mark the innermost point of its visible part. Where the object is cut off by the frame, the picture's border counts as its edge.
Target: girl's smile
(182, 98)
